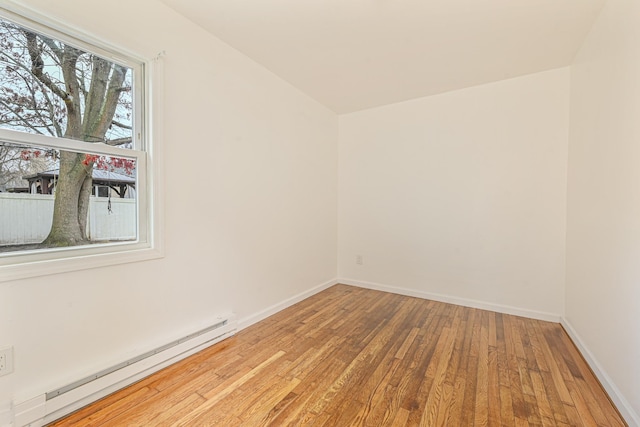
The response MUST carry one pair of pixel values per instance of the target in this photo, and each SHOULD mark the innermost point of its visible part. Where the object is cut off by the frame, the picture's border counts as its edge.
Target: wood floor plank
(107, 414)
(160, 412)
(308, 392)
(481, 410)
(438, 393)
(468, 408)
(349, 356)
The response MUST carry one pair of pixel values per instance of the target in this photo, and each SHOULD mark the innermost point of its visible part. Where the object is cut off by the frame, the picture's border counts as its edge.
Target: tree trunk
(68, 228)
(73, 192)
(84, 200)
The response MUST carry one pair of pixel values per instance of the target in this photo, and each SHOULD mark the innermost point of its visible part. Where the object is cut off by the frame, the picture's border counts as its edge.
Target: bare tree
(52, 88)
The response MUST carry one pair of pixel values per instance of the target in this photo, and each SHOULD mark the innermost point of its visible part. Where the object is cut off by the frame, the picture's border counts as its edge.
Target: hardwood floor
(354, 357)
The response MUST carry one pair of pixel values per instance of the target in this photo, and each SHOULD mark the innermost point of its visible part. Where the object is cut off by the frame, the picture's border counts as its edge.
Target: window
(75, 172)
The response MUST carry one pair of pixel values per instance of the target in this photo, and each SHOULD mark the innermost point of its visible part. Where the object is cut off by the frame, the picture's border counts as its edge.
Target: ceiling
(356, 54)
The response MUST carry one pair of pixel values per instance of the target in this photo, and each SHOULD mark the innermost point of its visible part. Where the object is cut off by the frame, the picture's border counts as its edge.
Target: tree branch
(26, 122)
(73, 104)
(45, 120)
(118, 141)
(121, 125)
(37, 66)
(54, 48)
(106, 86)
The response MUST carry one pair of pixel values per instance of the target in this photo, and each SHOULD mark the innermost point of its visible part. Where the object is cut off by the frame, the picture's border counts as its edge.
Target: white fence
(26, 218)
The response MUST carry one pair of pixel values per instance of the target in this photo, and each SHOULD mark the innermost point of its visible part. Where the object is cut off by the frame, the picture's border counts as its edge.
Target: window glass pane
(50, 88)
(29, 185)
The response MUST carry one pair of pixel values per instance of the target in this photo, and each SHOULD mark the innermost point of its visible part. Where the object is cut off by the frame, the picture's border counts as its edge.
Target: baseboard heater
(57, 403)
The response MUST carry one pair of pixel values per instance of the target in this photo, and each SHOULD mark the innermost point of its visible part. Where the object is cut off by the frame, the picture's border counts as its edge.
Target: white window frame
(148, 77)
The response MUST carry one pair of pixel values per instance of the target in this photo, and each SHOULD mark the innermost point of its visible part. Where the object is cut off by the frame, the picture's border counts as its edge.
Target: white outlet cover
(6, 353)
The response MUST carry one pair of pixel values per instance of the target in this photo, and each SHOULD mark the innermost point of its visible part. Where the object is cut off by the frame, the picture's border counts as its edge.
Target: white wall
(250, 185)
(603, 236)
(460, 194)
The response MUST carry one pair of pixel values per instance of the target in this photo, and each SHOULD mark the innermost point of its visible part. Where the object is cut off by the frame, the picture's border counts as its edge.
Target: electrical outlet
(359, 259)
(6, 360)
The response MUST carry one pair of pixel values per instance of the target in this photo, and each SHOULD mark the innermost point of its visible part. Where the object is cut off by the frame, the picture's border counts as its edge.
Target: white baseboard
(532, 314)
(627, 412)
(38, 411)
(261, 315)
